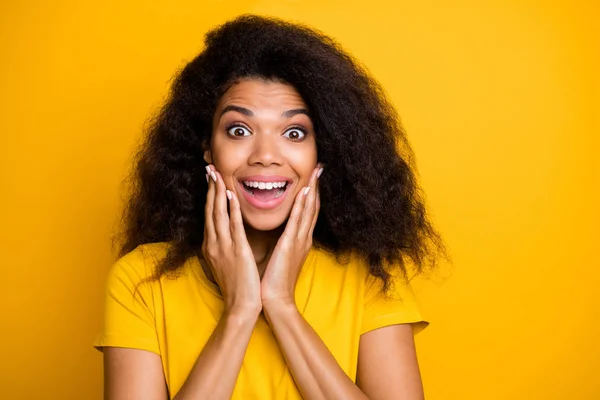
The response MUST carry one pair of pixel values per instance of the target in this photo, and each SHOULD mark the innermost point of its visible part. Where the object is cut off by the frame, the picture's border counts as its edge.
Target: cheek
(303, 160)
(227, 158)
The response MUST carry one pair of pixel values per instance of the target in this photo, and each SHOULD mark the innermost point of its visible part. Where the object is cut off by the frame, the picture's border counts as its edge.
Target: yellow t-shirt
(175, 317)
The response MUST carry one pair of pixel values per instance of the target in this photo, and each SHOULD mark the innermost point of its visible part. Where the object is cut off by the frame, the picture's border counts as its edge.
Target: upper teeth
(265, 185)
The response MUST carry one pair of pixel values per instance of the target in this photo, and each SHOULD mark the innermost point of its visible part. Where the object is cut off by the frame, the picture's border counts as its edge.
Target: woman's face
(263, 144)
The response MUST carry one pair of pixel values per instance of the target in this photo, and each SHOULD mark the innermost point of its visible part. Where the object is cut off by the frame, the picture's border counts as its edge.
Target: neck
(262, 244)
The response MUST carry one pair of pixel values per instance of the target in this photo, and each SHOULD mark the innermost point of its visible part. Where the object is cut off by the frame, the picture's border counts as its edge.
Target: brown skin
(268, 149)
(252, 243)
(268, 142)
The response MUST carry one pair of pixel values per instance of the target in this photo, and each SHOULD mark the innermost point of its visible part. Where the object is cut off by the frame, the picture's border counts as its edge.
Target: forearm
(216, 370)
(315, 370)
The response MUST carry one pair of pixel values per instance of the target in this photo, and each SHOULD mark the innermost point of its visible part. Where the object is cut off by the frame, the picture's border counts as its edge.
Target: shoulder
(346, 268)
(353, 266)
(139, 264)
(146, 253)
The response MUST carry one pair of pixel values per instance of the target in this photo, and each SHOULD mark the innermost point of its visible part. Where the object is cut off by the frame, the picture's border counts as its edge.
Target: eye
(238, 131)
(295, 134)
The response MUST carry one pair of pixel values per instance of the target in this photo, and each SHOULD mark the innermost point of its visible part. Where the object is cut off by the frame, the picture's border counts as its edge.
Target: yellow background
(500, 100)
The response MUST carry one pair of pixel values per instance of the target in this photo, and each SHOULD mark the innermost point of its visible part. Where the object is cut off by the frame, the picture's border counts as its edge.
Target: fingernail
(207, 169)
(206, 175)
(229, 195)
(319, 173)
(306, 190)
(212, 175)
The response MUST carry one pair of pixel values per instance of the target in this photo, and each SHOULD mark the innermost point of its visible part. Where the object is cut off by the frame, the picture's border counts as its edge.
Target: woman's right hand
(226, 248)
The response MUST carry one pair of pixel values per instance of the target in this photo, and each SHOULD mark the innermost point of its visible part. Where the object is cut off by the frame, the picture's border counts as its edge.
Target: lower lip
(264, 205)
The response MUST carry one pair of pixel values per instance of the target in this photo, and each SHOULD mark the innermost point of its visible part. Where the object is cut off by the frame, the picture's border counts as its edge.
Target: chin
(265, 221)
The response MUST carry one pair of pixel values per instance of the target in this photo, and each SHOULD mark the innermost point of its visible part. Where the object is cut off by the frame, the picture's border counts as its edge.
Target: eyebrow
(291, 113)
(239, 109)
(249, 113)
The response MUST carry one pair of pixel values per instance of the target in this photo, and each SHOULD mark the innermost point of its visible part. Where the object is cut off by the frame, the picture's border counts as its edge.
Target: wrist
(242, 304)
(276, 296)
(280, 310)
(242, 313)
(279, 306)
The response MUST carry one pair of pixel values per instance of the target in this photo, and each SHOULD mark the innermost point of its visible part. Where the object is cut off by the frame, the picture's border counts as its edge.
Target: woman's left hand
(280, 277)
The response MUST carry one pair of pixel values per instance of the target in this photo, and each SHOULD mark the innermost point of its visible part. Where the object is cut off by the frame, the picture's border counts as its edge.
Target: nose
(265, 151)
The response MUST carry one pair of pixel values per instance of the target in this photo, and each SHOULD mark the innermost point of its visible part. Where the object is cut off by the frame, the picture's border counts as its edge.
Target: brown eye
(238, 131)
(294, 134)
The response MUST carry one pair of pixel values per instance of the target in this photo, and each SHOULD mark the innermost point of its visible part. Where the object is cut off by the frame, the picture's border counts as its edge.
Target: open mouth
(265, 191)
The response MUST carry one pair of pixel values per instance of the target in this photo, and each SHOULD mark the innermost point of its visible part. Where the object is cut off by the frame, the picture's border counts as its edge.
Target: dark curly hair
(371, 204)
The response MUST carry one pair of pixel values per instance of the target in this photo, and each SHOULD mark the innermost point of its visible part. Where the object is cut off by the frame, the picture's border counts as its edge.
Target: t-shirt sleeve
(129, 319)
(399, 306)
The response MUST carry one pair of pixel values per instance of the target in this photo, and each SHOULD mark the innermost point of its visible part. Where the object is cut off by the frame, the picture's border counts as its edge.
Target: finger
(209, 228)
(318, 190)
(220, 217)
(310, 206)
(236, 223)
(317, 209)
(293, 223)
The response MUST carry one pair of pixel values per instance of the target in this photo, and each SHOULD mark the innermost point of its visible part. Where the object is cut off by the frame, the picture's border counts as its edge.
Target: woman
(269, 236)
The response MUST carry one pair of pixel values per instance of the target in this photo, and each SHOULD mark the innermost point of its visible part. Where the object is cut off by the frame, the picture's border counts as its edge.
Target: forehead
(257, 94)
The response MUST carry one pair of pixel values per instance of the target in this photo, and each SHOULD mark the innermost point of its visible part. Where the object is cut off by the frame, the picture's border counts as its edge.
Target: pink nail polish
(212, 175)
(229, 195)
(206, 175)
(207, 169)
(306, 190)
(319, 173)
